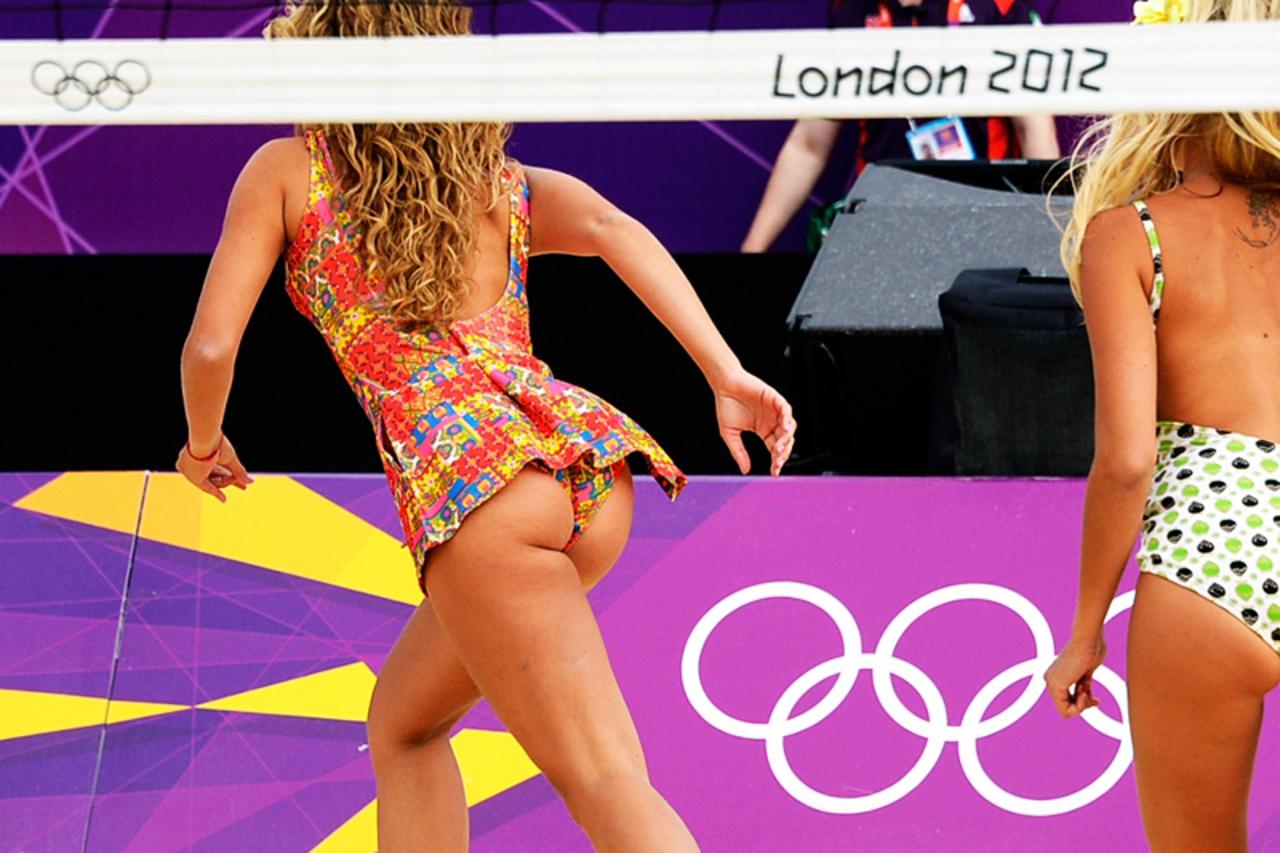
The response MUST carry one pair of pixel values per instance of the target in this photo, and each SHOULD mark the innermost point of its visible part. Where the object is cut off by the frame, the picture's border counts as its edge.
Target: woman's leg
(513, 604)
(423, 690)
(1197, 677)
(421, 693)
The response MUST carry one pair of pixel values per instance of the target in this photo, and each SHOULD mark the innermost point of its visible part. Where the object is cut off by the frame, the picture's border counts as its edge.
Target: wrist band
(215, 452)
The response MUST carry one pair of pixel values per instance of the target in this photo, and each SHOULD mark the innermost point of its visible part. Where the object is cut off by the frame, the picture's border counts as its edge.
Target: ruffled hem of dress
(668, 476)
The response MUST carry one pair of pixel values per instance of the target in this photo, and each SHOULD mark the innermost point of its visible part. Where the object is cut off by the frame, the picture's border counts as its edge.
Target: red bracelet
(215, 452)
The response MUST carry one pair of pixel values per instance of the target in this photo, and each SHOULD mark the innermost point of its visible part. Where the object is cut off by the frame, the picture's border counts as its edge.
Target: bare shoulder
(552, 192)
(1114, 235)
(551, 181)
(281, 157)
(568, 216)
(1115, 248)
(1115, 224)
(277, 178)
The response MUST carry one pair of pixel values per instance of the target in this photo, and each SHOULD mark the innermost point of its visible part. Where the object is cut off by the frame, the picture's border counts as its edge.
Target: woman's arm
(253, 237)
(569, 217)
(799, 165)
(1122, 339)
(1037, 137)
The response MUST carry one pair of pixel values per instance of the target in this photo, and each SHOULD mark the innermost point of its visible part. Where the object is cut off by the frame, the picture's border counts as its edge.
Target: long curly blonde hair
(1135, 155)
(417, 190)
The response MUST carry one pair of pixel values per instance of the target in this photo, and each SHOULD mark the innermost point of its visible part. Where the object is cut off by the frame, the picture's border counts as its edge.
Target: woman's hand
(746, 404)
(216, 473)
(1069, 679)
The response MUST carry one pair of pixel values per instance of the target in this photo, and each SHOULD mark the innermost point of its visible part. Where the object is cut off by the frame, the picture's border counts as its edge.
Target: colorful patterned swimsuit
(1212, 522)
(458, 410)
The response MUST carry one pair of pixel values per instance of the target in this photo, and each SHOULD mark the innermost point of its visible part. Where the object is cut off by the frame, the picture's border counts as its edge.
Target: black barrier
(93, 379)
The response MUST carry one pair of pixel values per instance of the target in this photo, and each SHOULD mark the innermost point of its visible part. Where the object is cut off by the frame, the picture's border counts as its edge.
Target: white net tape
(837, 73)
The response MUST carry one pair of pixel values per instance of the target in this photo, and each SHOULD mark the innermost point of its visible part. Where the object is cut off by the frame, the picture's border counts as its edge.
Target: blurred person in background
(808, 148)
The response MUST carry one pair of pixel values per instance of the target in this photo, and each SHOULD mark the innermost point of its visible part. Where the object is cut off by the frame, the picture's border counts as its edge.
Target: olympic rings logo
(935, 727)
(89, 81)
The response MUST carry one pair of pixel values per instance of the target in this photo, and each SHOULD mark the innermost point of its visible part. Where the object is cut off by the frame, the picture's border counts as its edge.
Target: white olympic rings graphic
(935, 727)
(90, 80)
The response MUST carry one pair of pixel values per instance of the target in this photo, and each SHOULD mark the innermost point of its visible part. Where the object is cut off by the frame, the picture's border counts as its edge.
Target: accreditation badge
(941, 139)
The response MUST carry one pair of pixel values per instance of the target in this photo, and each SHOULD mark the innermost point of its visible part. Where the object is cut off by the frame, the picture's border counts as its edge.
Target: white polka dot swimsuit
(1212, 522)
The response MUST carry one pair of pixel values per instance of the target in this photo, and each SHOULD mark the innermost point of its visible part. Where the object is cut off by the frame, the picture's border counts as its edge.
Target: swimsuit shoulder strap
(318, 175)
(1157, 258)
(519, 190)
(518, 194)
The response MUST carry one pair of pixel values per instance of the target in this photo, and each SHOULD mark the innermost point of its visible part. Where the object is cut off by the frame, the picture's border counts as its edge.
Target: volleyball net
(652, 76)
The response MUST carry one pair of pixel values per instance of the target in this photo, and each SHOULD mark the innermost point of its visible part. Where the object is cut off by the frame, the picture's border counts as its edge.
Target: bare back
(1218, 335)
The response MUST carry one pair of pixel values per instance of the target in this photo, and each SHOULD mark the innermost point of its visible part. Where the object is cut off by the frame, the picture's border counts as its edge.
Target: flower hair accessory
(1159, 12)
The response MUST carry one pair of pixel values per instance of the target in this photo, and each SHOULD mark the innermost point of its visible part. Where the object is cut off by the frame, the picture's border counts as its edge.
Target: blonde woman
(1174, 247)
(406, 246)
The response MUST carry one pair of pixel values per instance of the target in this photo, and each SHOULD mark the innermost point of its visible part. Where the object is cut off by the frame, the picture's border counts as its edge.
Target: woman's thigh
(423, 688)
(514, 607)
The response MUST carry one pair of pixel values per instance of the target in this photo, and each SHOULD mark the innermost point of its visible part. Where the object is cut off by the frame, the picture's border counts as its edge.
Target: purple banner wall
(817, 664)
(162, 190)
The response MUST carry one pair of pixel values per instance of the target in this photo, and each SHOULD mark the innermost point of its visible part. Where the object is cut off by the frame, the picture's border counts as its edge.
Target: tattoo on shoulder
(1264, 215)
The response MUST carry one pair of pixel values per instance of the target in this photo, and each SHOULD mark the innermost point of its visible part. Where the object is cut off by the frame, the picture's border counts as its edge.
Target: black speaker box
(865, 328)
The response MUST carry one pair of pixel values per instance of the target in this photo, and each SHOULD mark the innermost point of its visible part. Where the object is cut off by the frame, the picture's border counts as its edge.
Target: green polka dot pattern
(1212, 522)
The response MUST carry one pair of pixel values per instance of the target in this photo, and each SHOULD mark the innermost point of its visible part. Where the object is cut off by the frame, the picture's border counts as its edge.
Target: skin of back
(1219, 330)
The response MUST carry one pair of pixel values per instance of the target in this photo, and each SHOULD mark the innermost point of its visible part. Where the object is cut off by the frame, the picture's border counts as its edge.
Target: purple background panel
(61, 586)
(875, 545)
(198, 627)
(164, 189)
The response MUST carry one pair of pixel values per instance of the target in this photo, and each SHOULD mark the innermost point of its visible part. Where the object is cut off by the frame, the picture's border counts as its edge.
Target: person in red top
(808, 147)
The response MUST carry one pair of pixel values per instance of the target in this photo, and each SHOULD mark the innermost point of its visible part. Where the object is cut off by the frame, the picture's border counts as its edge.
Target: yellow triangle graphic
(107, 499)
(31, 712)
(333, 694)
(359, 834)
(122, 711)
(277, 524)
(491, 762)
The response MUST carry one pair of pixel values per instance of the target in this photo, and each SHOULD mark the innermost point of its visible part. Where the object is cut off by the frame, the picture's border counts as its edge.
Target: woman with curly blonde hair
(1174, 248)
(406, 245)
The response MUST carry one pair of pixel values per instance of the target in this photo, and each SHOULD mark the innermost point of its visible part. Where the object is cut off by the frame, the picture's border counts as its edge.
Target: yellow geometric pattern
(491, 762)
(334, 694)
(359, 834)
(34, 712)
(279, 525)
(107, 499)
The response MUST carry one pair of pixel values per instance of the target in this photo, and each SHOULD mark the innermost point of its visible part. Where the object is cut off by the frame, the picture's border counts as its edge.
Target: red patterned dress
(457, 410)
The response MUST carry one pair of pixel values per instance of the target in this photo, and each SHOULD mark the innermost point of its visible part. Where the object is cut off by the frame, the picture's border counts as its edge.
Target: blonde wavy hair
(416, 189)
(1132, 156)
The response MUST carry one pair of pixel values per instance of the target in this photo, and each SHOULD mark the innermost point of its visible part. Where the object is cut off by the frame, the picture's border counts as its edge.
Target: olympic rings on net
(89, 81)
(935, 727)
